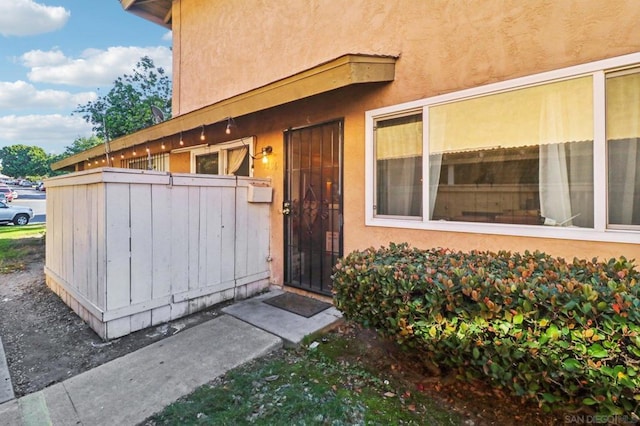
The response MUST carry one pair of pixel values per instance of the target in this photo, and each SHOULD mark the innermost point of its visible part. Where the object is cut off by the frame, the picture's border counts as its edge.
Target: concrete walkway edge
(6, 388)
(129, 389)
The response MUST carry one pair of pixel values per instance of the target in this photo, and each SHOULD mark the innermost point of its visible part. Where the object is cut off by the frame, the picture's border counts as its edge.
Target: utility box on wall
(129, 249)
(260, 193)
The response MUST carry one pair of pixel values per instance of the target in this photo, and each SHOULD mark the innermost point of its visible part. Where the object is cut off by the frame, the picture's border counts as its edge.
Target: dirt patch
(45, 342)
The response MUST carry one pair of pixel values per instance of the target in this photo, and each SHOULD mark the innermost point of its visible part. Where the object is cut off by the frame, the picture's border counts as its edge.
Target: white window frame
(222, 149)
(600, 231)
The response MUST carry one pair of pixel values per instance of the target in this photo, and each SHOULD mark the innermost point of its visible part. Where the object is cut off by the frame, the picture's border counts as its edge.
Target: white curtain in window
(399, 169)
(235, 157)
(565, 169)
(623, 148)
(437, 133)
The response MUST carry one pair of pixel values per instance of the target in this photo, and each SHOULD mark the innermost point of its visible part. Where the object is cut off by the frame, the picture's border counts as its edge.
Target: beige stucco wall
(226, 47)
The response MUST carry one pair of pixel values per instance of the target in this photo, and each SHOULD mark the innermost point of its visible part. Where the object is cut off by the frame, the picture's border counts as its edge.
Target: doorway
(313, 205)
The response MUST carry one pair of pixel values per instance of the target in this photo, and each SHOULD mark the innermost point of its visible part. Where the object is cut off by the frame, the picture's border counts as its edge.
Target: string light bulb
(134, 152)
(181, 141)
(122, 156)
(202, 136)
(230, 123)
(162, 146)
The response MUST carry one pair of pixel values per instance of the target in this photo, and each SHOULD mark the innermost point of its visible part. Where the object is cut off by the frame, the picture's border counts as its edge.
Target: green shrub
(564, 334)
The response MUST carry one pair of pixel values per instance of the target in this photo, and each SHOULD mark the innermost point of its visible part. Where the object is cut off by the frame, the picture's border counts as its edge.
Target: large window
(555, 155)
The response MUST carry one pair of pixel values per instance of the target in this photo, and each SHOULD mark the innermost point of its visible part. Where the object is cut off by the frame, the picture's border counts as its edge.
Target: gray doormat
(300, 305)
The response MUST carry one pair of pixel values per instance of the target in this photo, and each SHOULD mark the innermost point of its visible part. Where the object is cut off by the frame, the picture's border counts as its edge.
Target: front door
(313, 205)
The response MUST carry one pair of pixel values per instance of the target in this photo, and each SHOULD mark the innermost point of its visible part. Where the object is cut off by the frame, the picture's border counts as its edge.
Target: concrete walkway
(129, 389)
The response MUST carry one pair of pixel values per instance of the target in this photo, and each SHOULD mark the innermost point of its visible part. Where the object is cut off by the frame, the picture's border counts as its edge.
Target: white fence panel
(127, 249)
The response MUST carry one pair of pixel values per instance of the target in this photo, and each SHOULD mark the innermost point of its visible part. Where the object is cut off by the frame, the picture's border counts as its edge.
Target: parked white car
(17, 215)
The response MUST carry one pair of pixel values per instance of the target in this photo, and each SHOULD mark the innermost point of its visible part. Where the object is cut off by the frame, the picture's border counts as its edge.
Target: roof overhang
(156, 11)
(338, 73)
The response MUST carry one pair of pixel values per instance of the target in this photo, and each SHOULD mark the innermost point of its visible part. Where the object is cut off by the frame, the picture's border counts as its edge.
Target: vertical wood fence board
(264, 244)
(179, 241)
(205, 211)
(242, 234)
(67, 243)
(210, 238)
(101, 241)
(80, 223)
(141, 242)
(92, 249)
(162, 223)
(193, 236)
(118, 245)
(255, 258)
(228, 235)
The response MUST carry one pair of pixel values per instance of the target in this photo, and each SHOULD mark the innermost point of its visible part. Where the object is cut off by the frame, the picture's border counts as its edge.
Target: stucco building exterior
(492, 125)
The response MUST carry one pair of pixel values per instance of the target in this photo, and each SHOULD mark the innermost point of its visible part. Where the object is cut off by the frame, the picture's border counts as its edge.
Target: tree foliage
(127, 107)
(80, 145)
(23, 160)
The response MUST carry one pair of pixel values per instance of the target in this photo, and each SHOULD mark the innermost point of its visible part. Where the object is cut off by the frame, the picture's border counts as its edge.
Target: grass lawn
(16, 242)
(321, 386)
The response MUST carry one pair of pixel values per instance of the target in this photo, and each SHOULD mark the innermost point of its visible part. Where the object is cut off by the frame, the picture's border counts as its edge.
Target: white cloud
(50, 132)
(22, 95)
(168, 36)
(26, 17)
(95, 67)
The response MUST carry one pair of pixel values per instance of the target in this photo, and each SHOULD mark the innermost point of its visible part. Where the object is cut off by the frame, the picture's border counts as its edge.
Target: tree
(127, 107)
(22, 160)
(80, 145)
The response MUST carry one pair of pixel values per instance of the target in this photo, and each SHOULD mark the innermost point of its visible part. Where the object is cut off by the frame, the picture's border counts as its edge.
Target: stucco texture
(226, 47)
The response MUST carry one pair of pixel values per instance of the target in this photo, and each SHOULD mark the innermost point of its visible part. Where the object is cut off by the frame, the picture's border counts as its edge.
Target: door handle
(286, 208)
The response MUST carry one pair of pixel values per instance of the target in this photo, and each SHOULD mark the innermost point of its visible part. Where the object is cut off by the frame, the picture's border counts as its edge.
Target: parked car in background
(40, 187)
(26, 183)
(8, 193)
(15, 195)
(17, 215)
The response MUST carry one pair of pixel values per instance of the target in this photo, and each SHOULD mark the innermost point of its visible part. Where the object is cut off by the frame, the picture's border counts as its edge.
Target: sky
(58, 54)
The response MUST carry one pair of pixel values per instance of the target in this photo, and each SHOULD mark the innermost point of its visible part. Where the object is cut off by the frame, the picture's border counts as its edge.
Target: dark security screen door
(313, 205)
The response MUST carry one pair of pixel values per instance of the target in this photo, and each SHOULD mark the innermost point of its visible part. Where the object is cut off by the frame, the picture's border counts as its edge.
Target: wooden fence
(129, 249)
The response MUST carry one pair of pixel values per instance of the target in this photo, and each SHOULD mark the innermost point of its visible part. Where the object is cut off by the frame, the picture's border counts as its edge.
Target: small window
(207, 164)
(398, 162)
(231, 158)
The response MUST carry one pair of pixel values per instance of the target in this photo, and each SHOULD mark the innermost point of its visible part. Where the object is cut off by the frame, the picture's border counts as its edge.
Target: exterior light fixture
(265, 153)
